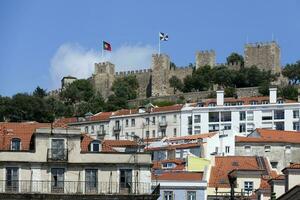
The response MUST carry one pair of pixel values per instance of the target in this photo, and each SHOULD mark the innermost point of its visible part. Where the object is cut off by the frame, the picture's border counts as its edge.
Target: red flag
(106, 46)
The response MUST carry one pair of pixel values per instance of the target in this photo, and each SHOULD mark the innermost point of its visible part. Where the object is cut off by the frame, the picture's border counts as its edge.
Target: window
(213, 117)
(91, 180)
(226, 126)
(175, 132)
(274, 164)
(175, 118)
(267, 148)
(247, 149)
(227, 149)
(264, 102)
(242, 127)
(92, 129)
(212, 104)
(253, 102)
(213, 127)
(288, 149)
(153, 120)
(168, 195)
(163, 133)
(279, 125)
(153, 133)
(12, 179)
(16, 144)
(278, 114)
(168, 165)
(132, 134)
(248, 186)
(125, 179)
(225, 116)
(190, 131)
(190, 120)
(126, 135)
(126, 122)
(267, 115)
(242, 115)
(191, 195)
(133, 122)
(86, 129)
(58, 149)
(197, 118)
(197, 129)
(57, 180)
(296, 126)
(250, 115)
(147, 134)
(147, 121)
(280, 101)
(95, 146)
(296, 114)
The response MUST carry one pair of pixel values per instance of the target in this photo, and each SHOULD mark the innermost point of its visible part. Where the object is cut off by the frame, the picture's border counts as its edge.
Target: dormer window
(265, 102)
(280, 101)
(253, 102)
(212, 104)
(168, 165)
(16, 144)
(95, 146)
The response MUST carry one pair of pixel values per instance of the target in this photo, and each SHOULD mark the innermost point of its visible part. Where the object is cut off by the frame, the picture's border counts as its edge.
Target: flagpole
(158, 44)
(102, 50)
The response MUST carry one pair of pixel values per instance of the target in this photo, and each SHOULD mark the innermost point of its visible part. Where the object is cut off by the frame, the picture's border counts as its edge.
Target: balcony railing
(162, 123)
(101, 132)
(74, 187)
(57, 155)
(117, 128)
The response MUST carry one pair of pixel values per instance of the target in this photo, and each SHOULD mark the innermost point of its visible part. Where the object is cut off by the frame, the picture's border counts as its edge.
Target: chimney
(273, 95)
(220, 97)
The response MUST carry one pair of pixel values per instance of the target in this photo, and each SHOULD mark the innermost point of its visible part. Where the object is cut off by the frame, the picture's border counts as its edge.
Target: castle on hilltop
(155, 80)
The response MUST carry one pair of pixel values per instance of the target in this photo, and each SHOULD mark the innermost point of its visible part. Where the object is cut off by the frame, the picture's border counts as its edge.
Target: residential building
(239, 176)
(146, 122)
(287, 186)
(64, 162)
(240, 115)
(280, 147)
(97, 126)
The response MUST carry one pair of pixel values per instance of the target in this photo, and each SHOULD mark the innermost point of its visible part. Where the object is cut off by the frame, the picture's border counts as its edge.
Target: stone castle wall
(205, 58)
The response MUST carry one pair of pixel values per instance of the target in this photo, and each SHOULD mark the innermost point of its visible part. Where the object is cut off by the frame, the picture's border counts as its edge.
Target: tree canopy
(292, 72)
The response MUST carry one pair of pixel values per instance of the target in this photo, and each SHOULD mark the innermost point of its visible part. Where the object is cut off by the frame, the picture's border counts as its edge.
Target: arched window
(95, 146)
(16, 144)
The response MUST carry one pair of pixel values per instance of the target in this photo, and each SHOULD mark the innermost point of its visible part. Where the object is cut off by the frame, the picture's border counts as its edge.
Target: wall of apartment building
(278, 188)
(251, 121)
(292, 179)
(180, 194)
(140, 128)
(278, 152)
(92, 128)
(241, 179)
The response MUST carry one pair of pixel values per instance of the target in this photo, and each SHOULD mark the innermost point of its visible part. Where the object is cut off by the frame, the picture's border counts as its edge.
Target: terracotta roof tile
(178, 176)
(180, 164)
(22, 131)
(120, 143)
(102, 116)
(225, 164)
(271, 136)
(175, 107)
(193, 137)
(63, 122)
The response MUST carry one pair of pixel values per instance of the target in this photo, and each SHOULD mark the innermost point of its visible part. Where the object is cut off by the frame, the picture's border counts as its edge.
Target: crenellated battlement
(261, 44)
(133, 72)
(211, 51)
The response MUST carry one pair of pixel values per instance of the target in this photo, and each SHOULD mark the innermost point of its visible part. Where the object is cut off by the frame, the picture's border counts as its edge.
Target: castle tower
(205, 58)
(263, 55)
(160, 74)
(103, 78)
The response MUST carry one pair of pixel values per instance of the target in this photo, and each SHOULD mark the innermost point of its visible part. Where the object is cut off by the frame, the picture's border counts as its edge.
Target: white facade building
(241, 116)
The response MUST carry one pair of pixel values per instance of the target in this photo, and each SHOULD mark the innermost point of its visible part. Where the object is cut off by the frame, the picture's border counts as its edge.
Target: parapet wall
(132, 72)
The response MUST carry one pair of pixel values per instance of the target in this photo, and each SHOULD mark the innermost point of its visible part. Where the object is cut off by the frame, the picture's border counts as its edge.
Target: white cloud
(74, 60)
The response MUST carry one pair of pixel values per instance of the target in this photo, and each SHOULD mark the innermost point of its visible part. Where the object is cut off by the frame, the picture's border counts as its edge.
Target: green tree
(4, 105)
(235, 58)
(126, 87)
(39, 92)
(97, 103)
(230, 92)
(77, 91)
(289, 92)
(176, 84)
(292, 72)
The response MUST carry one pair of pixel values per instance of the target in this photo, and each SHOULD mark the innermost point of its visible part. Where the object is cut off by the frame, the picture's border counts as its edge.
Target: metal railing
(57, 155)
(74, 187)
(117, 128)
(162, 123)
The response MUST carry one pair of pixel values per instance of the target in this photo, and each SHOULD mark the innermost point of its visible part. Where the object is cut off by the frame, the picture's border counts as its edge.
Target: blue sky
(41, 41)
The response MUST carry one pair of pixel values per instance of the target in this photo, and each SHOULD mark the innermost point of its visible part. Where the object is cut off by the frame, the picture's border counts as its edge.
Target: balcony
(101, 133)
(117, 128)
(57, 155)
(73, 187)
(162, 123)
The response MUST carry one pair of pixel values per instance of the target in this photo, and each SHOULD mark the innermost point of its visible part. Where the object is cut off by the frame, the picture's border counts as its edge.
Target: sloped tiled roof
(64, 121)
(178, 176)
(175, 146)
(193, 137)
(86, 140)
(102, 116)
(22, 131)
(271, 136)
(225, 164)
(120, 143)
